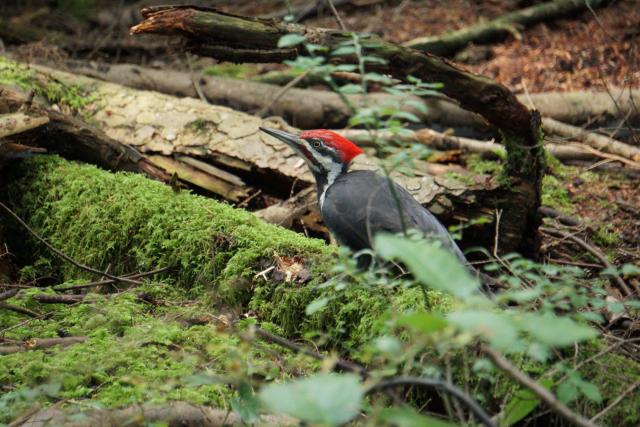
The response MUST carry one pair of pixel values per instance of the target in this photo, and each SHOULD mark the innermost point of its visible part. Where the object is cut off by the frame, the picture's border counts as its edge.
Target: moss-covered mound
(131, 223)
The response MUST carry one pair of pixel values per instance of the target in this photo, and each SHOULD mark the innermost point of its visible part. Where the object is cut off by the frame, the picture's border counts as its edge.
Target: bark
(40, 343)
(311, 109)
(72, 137)
(500, 27)
(174, 414)
(487, 149)
(597, 141)
(178, 128)
(303, 108)
(237, 38)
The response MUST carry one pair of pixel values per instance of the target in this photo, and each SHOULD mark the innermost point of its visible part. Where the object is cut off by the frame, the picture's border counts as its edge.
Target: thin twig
(440, 385)
(337, 15)
(283, 342)
(281, 92)
(62, 254)
(544, 394)
(8, 294)
(617, 400)
(110, 281)
(593, 250)
(19, 309)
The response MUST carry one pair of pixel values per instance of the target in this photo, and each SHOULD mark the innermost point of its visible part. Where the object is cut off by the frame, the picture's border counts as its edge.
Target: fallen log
(73, 137)
(321, 109)
(173, 414)
(305, 109)
(237, 38)
(592, 139)
(40, 343)
(502, 26)
(219, 249)
(443, 141)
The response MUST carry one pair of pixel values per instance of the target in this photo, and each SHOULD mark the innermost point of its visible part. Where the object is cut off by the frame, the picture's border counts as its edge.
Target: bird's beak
(288, 138)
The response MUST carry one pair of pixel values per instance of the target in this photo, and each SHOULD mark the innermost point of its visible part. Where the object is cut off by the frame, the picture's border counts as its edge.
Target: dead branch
(545, 395)
(18, 309)
(110, 281)
(173, 414)
(591, 249)
(40, 343)
(444, 141)
(11, 124)
(597, 141)
(499, 27)
(58, 299)
(8, 294)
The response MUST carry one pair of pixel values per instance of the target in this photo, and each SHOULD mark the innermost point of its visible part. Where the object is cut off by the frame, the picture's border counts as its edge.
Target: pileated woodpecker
(357, 205)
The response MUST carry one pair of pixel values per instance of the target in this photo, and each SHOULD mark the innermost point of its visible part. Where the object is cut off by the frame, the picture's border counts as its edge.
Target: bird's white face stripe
(333, 169)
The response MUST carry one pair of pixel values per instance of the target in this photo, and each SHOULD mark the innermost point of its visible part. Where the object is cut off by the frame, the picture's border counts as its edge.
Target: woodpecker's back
(360, 204)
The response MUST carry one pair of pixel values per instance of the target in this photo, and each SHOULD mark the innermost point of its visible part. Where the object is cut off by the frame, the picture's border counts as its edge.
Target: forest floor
(594, 50)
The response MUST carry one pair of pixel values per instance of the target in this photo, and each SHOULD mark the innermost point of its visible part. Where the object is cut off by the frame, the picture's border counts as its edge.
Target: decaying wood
(487, 149)
(173, 414)
(73, 137)
(11, 124)
(592, 139)
(502, 26)
(303, 108)
(238, 38)
(310, 109)
(158, 124)
(40, 343)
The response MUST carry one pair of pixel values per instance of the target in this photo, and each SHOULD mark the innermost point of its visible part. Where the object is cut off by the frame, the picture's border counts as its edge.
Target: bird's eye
(316, 144)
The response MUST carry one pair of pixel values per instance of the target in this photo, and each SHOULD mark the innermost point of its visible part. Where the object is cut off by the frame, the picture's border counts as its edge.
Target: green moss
(133, 354)
(54, 91)
(477, 164)
(132, 223)
(555, 195)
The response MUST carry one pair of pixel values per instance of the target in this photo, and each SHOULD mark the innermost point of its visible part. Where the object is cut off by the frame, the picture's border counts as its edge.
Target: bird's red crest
(347, 149)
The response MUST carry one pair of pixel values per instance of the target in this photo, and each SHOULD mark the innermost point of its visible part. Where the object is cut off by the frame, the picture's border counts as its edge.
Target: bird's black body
(357, 205)
(361, 203)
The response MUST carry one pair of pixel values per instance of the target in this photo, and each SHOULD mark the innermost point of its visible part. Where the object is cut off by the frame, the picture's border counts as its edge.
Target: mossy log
(504, 25)
(132, 223)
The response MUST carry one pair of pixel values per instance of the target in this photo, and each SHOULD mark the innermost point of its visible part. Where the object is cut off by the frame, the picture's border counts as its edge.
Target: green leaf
(344, 50)
(497, 328)
(422, 322)
(322, 398)
(351, 89)
(407, 417)
(316, 306)
(290, 40)
(430, 264)
(590, 390)
(555, 331)
(246, 405)
(567, 392)
(630, 270)
(521, 405)
(388, 344)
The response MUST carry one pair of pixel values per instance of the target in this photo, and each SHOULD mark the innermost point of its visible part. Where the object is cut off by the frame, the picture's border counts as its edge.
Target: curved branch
(439, 385)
